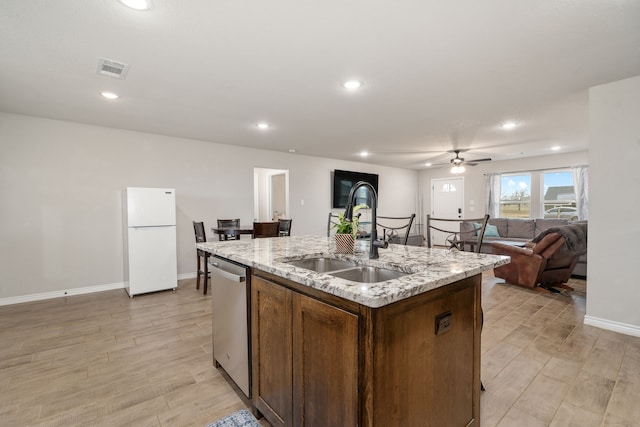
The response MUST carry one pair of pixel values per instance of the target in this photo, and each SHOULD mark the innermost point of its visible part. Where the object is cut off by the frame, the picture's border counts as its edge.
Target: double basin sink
(347, 270)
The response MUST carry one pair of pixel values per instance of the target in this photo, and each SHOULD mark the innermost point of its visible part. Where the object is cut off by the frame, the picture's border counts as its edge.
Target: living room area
(540, 99)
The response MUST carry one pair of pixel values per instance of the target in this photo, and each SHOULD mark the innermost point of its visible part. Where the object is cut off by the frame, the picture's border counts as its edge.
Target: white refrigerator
(150, 259)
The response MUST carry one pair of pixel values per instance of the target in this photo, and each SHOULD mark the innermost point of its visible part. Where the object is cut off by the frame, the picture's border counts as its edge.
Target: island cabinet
(319, 360)
(305, 358)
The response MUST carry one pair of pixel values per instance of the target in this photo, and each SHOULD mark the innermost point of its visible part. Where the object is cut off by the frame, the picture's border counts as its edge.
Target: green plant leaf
(349, 227)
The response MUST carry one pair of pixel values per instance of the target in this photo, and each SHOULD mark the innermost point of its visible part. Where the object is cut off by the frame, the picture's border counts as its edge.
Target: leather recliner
(547, 262)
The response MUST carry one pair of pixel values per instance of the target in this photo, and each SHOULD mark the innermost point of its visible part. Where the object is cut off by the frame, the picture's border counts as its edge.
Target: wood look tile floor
(542, 366)
(107, 359)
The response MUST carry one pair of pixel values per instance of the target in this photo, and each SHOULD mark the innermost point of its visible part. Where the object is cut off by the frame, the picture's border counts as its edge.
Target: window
(538, 194)
(559, 199)
(515, 196)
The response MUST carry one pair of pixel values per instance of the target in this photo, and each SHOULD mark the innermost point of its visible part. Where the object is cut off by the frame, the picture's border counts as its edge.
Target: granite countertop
(427, 269)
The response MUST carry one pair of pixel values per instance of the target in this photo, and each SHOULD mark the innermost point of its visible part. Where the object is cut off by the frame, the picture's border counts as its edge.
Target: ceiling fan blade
(475, 162)
(409, 153)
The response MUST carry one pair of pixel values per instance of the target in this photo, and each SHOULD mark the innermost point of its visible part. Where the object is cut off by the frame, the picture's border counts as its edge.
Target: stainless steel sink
(368, 274)
(322, 265)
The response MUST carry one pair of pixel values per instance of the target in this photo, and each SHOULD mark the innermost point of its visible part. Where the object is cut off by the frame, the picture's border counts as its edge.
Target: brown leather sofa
(546, 262)
(522, 230)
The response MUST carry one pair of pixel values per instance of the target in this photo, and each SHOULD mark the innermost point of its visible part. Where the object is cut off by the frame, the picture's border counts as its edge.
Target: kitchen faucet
(348, 215)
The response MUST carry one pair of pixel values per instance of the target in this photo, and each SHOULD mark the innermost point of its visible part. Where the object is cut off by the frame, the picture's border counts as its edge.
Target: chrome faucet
(348, 215)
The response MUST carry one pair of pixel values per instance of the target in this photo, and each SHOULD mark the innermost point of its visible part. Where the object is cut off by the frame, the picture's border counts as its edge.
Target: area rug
(242, 418)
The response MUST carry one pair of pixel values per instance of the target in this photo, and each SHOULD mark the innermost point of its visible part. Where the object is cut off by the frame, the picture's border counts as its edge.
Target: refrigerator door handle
(227, 275)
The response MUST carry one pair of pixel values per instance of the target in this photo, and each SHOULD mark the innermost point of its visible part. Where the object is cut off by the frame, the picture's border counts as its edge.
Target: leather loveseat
(521, 230)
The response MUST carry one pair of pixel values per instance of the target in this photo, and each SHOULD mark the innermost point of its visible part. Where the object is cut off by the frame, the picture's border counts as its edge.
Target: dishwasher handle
(227, 275)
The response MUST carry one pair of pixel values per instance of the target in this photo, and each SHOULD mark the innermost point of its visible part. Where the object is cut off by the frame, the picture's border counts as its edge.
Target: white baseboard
(610, 325)
(61, 293)
(74, 291)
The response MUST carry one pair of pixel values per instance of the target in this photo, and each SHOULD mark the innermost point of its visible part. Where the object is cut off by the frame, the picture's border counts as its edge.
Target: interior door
(278, 206)
(270, 194)
(447, 201)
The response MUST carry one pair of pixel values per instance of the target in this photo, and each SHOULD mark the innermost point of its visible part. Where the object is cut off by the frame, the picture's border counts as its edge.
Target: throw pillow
(489, 231)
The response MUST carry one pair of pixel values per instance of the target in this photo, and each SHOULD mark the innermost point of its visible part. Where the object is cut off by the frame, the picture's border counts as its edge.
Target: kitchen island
(327, 351)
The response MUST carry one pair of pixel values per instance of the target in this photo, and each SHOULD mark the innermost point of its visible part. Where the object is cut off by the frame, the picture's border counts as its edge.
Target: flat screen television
(344, 180)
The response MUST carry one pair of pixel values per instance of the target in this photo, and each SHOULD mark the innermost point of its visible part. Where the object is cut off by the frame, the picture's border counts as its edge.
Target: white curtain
(492, 187)
(581, 187)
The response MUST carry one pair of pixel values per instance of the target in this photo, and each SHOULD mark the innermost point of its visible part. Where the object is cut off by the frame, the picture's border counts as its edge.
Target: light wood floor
(107, 359)
(543, 367)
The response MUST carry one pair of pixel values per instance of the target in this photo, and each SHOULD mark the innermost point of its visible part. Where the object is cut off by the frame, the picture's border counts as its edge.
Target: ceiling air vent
(114, 69)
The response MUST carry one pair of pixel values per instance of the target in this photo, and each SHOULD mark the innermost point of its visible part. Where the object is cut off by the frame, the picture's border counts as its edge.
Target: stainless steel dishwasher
(229, 285)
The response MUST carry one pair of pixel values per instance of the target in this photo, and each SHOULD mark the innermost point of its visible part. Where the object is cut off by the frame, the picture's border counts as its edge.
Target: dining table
(232, 229)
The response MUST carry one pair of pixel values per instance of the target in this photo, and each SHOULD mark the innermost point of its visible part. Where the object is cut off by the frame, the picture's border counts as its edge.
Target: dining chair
(396, 228)
(331, 222)
(284, 227)
(266, 229)
(201, 237)
(230, 235)
(458, 235)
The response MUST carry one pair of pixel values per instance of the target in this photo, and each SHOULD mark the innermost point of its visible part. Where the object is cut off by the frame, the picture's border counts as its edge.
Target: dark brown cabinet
(319, 360)
(325, 364)
(271, 351)
(305, 359)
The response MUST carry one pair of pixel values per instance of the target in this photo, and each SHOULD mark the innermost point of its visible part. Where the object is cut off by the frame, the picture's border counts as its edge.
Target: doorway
(447, 201)
(270, 194)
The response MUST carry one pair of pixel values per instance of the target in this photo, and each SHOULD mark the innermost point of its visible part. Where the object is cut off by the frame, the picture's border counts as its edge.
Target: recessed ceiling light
(109, 95)
(263, 125)
(364, 153)
(509, 125)
(428, 164)
(137, 4)
(555, 147)
(352, 84)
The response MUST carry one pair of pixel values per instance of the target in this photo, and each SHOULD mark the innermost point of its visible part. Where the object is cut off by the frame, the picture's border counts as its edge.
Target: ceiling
(436, 75)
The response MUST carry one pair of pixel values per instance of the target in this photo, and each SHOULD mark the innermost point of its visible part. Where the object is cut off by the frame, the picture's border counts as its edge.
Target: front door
(447, 201)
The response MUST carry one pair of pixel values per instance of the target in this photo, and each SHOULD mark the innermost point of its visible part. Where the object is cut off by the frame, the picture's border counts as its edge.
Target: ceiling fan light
(137, 4)
(457, 169)
(109, 95)
(352, 84)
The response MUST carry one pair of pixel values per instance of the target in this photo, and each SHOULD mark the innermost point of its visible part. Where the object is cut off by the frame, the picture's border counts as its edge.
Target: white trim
(74, 291)
(610, 325)
(61, 293)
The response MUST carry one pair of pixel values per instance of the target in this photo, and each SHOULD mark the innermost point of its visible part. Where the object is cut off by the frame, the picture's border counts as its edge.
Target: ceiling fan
(457, 163)
(457, 160)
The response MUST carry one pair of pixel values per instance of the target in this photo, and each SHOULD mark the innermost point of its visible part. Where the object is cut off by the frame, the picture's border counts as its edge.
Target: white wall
(61, 184)
(613, 298)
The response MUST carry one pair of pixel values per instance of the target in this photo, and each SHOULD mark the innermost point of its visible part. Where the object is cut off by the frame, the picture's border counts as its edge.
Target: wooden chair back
(285, 226)
(266, 229)
(198, 228)
(202, 269)
(228, 223)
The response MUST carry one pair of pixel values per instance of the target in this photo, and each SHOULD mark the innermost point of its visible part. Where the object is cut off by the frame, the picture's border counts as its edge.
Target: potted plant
(346, 231)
